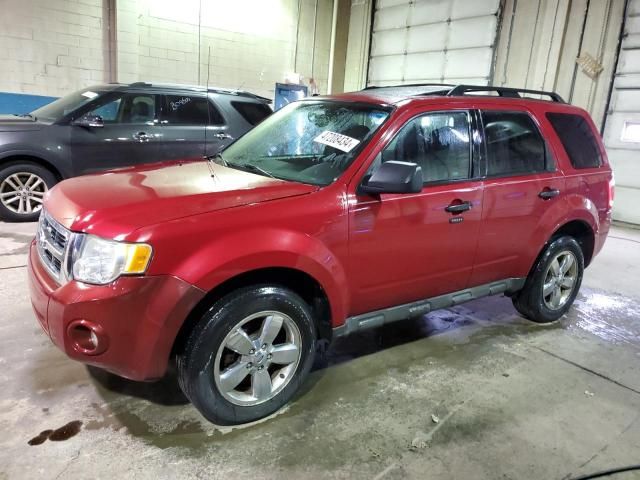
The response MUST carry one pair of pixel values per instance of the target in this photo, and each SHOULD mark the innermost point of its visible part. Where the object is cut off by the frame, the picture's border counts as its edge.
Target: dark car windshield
(309, 141)
(57, 109)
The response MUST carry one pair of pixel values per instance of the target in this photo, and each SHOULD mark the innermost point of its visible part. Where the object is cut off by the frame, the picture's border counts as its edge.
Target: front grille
(52, 239)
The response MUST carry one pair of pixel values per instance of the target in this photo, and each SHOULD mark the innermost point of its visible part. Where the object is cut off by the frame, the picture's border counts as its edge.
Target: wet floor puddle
(65, 432)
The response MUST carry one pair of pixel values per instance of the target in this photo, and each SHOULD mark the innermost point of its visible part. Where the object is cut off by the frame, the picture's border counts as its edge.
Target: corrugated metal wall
(540, 41)
(622, 131)
(422, 41)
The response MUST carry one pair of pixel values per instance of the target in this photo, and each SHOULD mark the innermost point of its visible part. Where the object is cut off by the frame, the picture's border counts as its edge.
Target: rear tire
(22, 189)
(554, 282)
(248, 355)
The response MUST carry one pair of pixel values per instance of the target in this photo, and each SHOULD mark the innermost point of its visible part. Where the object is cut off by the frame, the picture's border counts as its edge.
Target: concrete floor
(472, 392)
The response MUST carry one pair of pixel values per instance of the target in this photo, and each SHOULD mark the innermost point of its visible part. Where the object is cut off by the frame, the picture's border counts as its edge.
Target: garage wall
(622, 128)
(51, 47)
(253, 42)
(422, 41)
(540, 41)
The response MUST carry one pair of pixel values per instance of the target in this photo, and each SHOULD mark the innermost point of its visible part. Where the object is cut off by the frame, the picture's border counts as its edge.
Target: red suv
(334, 215)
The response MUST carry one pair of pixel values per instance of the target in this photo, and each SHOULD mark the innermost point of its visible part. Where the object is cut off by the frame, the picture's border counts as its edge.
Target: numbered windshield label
(337, 140)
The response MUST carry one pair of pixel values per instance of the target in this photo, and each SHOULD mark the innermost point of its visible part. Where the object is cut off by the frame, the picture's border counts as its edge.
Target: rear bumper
(135, 319)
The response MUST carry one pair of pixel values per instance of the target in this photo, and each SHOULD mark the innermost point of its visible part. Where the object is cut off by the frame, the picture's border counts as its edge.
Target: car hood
(116, 203)
(12, 123)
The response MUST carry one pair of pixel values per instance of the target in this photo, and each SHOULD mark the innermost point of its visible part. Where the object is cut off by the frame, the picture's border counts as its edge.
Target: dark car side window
(438, 142)
(577, 139)
(252, 112)
(127, 108)
(189, 110)
(514, 144)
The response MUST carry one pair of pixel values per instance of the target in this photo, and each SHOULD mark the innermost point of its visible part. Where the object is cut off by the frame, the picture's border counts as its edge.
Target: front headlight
(100, 261)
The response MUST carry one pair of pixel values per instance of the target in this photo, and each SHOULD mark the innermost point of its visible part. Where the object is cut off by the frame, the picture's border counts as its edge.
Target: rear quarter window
(577, 139)
(252, 112)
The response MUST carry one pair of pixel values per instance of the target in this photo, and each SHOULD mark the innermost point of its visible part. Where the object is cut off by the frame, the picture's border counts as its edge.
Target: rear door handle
(549, 193)
(458, 207)
(223, 136)
(142, 136)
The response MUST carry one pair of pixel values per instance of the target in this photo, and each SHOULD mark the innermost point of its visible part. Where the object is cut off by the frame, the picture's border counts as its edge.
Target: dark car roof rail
(459, 90)
(374, 87)
(199, 88)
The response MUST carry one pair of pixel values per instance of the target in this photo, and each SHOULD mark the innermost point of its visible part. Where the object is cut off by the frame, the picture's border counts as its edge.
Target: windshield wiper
(217, 156)
(250, 167)
(32, 117)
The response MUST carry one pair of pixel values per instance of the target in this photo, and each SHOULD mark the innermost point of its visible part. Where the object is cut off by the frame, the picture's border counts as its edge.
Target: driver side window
(127, 108)
(437, 142)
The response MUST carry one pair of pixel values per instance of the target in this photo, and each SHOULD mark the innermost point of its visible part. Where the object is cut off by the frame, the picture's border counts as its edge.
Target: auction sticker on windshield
(337, 140)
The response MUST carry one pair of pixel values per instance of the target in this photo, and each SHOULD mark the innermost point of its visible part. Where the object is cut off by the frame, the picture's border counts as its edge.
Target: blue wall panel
(21, 102)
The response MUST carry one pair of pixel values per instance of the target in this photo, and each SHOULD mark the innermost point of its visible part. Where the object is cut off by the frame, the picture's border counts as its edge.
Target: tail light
(612, 188)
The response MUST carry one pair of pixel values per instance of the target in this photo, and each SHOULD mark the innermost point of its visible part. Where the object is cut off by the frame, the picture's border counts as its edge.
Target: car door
(521, 184)
(407, 247)
(191, 126)
(128, 136)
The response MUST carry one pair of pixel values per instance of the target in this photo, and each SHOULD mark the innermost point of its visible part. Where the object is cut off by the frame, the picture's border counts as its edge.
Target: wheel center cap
(259, 358)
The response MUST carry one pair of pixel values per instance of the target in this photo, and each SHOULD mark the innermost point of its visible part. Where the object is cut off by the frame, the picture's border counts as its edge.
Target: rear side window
(577, 139)
(252, 112)
(514, 144)
(189, 110)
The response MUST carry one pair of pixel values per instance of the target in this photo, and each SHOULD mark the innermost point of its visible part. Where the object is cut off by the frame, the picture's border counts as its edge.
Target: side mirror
(89, 121)
(394, 177)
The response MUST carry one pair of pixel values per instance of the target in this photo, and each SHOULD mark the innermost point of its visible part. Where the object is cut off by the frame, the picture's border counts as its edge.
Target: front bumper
(136, 319)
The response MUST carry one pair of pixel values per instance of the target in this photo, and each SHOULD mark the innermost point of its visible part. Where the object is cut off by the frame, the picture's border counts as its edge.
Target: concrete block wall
(51, 47)
(248, 44)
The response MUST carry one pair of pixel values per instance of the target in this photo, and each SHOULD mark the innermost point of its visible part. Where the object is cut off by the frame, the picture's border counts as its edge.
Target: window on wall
(577, 139)
(189, 110)
(438, 143)
(513, 142)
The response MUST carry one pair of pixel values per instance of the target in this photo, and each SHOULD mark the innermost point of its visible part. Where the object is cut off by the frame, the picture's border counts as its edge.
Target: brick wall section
(51, 47)
(252, 51)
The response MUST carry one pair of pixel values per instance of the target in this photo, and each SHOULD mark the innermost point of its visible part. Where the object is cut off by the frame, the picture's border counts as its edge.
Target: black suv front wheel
(22, 189)
(553, 284)
(248, 355)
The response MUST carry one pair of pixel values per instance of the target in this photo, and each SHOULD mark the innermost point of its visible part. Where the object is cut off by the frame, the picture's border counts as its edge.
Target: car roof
(456, 94)
(180, 88)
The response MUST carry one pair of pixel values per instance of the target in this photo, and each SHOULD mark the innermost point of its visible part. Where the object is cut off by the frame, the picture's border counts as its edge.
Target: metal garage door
(622, 128)
(421, 41)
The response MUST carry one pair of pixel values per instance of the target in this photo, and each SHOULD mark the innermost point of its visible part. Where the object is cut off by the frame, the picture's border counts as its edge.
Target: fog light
(87, 338)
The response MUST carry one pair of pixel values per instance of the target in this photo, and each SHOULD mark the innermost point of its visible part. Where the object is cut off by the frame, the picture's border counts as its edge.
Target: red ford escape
(334, 215)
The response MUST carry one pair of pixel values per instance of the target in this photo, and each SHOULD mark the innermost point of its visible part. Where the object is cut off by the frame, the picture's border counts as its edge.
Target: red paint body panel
(366, 253)
(140, 315)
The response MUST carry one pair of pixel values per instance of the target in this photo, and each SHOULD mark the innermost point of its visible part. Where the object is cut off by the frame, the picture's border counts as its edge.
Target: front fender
(231, 255)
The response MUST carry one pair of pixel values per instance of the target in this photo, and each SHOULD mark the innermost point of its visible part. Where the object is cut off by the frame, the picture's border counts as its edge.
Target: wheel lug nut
(252, 351)
(269, 356)
(249, 365)
(264, 346)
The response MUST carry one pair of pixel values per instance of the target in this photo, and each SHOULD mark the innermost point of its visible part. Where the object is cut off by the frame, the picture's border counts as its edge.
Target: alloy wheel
(23, 192)
(258, 358)
(559, 280)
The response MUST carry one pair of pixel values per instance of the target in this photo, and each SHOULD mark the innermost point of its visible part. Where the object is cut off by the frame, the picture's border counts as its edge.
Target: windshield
(308, 142)
(57, 109)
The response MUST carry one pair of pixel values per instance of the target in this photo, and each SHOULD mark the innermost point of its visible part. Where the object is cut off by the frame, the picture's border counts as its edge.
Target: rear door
(129, 136)
(191, 126)
(407, 247)
(521, 184)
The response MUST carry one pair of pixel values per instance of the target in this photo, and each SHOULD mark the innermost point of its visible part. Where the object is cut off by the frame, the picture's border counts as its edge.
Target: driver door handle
(458, 207)
(142, 136)
(549, 193)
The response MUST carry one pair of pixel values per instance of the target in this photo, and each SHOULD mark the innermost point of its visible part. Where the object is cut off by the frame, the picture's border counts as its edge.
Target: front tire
(248, 355)
(22, 189)
(553, 284)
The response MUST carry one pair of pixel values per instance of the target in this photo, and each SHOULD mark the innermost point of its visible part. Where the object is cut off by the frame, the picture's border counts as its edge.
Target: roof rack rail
(502, 91)
(373, 87)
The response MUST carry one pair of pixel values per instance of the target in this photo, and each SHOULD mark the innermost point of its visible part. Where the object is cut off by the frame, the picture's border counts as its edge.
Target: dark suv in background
(111, 126)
